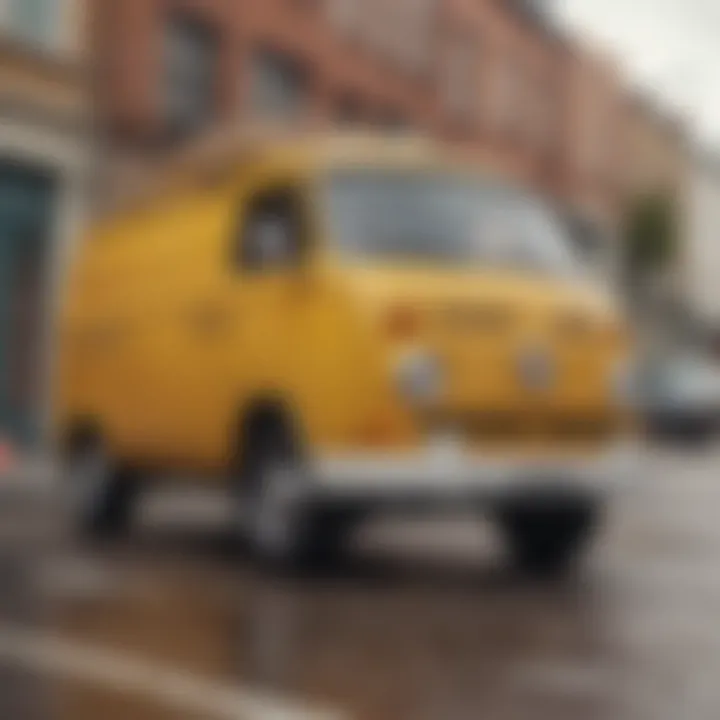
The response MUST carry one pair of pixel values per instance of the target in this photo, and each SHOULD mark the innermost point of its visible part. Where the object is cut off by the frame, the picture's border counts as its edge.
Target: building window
(344, 15)
(460, 87)
(304, 5)
(509, 100)
(401, 31)
(548, 116)
(33, 21)
(349, 111)
(191, 53)
(279, 86)
(595, 147)
(393, 121)
(416, 25)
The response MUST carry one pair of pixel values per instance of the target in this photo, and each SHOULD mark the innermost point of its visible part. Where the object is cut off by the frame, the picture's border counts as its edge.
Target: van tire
(102, 495)
(284, 530)
(545, 538)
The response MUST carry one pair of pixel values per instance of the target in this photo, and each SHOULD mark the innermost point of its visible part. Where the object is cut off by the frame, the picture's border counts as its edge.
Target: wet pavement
(425, 621)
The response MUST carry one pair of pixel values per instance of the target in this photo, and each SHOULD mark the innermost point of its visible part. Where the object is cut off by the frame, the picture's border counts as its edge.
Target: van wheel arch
(280, 523)
(77, 435)
(102, 493)
(266, 414)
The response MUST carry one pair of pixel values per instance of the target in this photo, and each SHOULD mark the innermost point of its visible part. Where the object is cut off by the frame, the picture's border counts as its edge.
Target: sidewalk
(27, 476)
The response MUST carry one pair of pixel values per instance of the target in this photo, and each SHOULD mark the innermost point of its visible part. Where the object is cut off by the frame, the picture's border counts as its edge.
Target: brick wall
(478, 73)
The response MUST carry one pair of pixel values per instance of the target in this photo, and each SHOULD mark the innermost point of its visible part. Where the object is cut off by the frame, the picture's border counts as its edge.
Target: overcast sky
(671, 46)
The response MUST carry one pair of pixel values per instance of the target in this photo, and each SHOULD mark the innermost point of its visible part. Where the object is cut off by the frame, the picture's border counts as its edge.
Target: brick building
(700, 258)
(657, 146)
(595, 152)
(493, 77)
(660, 163)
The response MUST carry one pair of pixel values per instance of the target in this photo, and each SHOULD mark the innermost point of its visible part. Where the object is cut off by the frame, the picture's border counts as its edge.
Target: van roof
(248, 144)
(219, 153)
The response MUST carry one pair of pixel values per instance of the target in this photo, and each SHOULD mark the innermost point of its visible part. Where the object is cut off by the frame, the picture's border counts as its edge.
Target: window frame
(177, 24)
(461, 74)
(294, 192)
(283, 64)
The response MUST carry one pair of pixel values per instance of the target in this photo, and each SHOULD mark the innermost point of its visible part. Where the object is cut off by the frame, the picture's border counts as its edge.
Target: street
(425, 622)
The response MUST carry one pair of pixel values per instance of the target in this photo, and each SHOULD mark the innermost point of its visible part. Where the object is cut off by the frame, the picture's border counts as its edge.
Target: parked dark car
(679, 398)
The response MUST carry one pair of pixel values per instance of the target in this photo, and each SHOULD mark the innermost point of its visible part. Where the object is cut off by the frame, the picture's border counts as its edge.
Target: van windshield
(444, 218)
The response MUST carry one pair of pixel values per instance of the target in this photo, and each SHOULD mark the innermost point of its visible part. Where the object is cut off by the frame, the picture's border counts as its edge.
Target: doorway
(27, 208)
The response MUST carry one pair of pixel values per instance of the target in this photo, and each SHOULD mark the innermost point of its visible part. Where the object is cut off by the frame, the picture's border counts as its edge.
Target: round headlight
(420, 377)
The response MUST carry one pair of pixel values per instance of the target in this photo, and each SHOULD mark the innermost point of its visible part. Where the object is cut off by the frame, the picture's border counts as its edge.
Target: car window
(442, 217)
(272, 235)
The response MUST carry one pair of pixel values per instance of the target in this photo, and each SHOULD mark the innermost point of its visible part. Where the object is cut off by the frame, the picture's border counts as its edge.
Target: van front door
(238, 328)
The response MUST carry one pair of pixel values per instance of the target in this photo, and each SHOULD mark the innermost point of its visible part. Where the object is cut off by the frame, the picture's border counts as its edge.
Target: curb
(28, 479)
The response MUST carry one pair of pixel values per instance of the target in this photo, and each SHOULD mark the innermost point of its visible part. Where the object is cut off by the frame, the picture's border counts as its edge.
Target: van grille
(511, 428)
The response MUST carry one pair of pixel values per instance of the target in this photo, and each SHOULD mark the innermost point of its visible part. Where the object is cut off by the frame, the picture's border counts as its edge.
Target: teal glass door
(26, 219)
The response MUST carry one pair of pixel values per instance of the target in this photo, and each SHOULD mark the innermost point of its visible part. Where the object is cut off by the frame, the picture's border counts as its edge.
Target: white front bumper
(459, 475)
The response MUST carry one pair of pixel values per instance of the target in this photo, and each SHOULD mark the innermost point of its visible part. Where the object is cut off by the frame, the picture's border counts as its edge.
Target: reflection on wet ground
(77, 701)
(403, 631)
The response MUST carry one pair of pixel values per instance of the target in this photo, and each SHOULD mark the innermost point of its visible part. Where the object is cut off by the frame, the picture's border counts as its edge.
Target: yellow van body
(167, 346)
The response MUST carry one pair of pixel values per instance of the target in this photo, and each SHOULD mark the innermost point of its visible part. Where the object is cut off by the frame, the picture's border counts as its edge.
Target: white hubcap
(89, 475)
(277, 509)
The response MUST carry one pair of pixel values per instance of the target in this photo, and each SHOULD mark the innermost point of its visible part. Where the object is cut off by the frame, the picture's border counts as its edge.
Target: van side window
(272, 236)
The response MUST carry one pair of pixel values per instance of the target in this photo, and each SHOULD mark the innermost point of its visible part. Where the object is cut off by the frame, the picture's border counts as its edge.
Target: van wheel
(102, 496)
(544, 539)
(281, 525)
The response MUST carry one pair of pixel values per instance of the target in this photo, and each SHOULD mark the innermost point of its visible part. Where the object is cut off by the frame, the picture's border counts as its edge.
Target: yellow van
(331, 326)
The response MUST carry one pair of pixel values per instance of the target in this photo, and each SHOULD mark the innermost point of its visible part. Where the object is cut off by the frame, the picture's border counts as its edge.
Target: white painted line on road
(39, 652)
